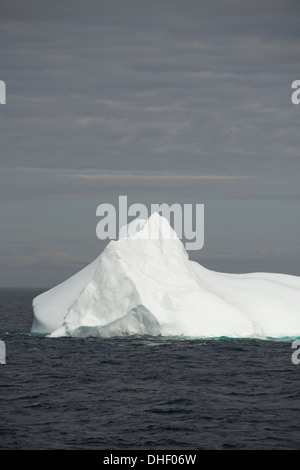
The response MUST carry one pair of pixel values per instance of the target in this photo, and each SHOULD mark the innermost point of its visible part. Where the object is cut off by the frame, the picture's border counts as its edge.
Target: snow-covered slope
(144, 283)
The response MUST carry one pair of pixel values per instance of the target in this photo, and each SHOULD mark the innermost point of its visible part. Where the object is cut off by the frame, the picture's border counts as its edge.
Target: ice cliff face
(145, 284)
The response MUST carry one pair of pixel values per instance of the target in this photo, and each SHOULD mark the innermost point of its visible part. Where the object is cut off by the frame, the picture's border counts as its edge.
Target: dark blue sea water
(142, 393)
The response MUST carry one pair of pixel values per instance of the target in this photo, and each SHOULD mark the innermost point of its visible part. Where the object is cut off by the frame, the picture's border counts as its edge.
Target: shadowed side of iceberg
(138, 321)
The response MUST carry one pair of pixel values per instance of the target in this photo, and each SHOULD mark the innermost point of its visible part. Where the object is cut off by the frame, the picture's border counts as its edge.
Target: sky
(132, 97)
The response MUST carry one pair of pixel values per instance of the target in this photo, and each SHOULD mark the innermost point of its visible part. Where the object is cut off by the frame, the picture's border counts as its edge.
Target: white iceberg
(143, 285)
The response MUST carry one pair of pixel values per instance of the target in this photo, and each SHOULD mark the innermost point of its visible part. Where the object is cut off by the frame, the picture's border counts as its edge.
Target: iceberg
(147, 285)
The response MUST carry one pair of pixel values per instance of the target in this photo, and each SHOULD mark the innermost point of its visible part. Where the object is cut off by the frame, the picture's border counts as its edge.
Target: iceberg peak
(155, 227)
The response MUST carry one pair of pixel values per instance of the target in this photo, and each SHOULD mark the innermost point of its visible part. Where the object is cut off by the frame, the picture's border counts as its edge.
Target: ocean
(142, 393)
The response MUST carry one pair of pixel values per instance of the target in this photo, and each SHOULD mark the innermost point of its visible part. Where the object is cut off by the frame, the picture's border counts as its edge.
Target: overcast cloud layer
(101, 89)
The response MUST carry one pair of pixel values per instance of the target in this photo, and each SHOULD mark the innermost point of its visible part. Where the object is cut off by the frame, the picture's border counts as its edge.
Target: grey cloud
(203, 80)
(173, 87)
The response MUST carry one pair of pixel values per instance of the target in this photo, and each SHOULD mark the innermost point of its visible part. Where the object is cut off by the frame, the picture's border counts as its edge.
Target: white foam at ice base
(143, 285)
